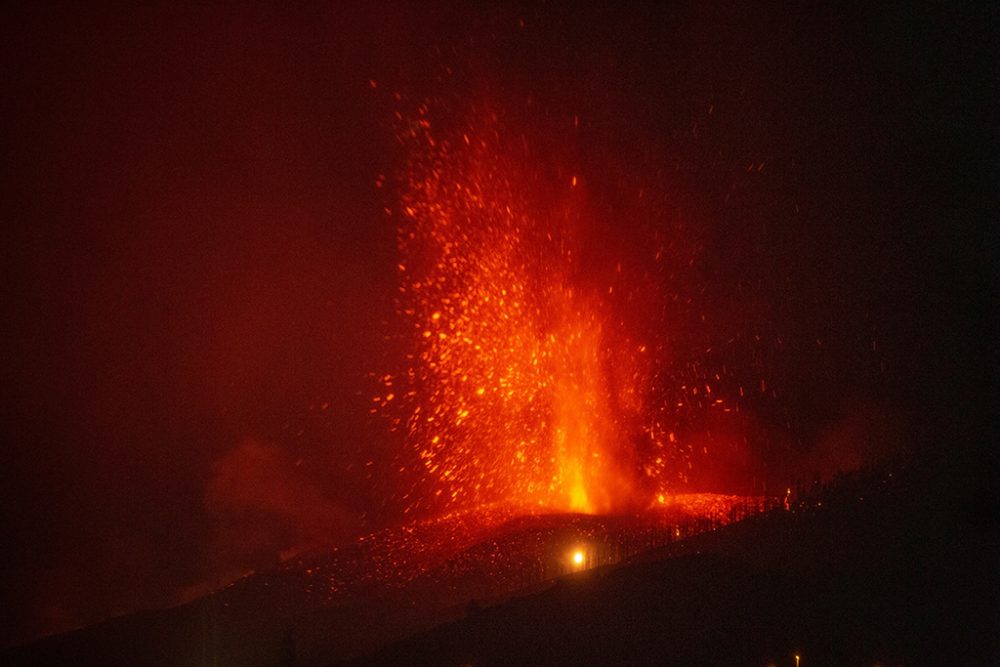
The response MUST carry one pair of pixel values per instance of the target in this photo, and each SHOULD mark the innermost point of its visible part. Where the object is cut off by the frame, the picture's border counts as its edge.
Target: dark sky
(197, 265)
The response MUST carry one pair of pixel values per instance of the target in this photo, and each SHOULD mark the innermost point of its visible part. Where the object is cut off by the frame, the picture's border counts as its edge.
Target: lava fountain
(523, 382)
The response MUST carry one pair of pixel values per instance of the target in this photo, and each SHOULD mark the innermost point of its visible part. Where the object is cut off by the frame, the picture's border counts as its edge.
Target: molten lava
(524, 383)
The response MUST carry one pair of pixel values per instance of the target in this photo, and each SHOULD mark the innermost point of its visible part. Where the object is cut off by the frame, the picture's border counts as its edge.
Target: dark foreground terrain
(874, 572)
(877, 568)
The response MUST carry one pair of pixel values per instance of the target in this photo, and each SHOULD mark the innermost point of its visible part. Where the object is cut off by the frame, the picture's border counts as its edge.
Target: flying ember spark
(525, 384)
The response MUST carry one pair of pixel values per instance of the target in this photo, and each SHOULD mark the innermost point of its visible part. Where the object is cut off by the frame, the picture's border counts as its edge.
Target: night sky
(200, 275)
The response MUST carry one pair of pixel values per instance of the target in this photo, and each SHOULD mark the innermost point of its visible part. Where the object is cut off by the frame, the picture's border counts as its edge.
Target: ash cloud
(266, 510)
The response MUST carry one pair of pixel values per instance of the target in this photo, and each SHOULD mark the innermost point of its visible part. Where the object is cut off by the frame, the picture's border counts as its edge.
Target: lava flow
(524, 384)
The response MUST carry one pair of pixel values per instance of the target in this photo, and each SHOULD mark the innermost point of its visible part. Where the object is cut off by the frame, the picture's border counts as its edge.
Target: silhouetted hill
(382, 588)
(876, 567)
(873, 571)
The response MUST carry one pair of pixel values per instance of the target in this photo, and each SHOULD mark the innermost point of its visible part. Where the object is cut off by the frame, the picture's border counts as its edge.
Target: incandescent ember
(527, 381)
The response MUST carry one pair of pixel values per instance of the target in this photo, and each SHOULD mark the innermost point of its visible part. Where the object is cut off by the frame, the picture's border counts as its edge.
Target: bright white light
(578, 558)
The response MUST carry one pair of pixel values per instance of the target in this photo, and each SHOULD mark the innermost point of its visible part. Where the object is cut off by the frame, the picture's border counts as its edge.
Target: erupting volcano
(499, 333)
(534, 374)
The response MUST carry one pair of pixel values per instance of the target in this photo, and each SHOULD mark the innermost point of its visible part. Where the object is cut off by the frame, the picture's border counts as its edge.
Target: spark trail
(524, 384)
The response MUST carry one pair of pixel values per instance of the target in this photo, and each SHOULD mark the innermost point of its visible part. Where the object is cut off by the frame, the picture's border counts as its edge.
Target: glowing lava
(521, 385)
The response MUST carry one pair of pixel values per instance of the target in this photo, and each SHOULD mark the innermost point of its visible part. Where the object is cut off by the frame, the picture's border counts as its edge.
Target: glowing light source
(525, 381)
(578, 558)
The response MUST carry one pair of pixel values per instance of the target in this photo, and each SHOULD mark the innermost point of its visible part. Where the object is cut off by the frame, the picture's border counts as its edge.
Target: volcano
(670, 587)
(388, 585)
(531, 333)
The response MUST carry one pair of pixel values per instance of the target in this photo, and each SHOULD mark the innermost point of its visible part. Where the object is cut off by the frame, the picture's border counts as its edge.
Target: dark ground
(879, 574)
(876, 568)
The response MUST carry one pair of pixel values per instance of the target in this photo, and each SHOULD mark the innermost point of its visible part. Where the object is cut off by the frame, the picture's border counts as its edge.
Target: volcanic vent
(536, 371)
